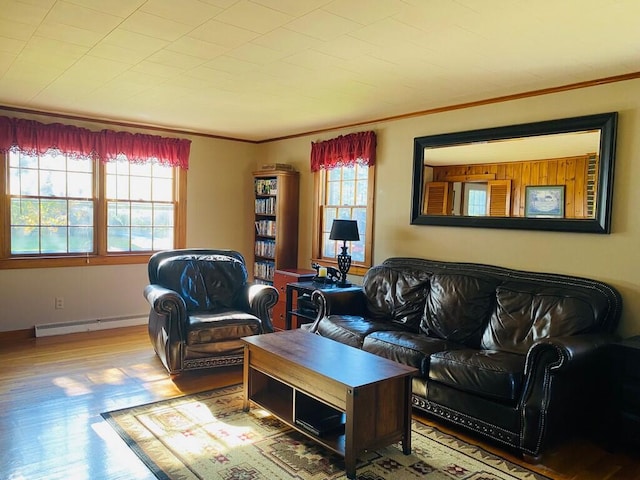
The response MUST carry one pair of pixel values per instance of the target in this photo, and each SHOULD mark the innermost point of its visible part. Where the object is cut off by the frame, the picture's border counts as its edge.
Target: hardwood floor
(52, 391)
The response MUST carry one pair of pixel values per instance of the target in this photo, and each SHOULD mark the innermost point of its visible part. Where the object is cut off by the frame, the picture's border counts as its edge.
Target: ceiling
(263, 69)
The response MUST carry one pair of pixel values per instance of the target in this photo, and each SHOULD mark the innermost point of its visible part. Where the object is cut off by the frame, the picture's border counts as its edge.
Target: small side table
(308, 314)
(626, 390)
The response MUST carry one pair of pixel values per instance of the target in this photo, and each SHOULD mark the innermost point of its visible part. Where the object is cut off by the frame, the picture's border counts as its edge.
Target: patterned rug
(208, 436)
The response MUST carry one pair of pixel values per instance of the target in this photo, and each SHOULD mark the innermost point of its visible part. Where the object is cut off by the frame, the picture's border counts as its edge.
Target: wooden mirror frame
(605, 122)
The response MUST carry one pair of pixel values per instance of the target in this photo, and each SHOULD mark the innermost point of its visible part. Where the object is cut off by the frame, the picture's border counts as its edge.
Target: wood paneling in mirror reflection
(578, 174)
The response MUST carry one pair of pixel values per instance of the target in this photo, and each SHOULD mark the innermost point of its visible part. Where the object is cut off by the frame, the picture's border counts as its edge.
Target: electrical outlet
(59, 303)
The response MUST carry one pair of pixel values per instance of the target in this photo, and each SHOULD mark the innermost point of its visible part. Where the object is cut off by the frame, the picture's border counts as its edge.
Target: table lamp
(347, 231)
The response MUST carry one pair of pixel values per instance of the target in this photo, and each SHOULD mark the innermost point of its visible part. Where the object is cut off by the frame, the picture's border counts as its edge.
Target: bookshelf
(275, 222)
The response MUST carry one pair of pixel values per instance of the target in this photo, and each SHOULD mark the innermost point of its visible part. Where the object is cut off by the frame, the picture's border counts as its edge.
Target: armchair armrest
(261, 298)
(350, 301)
(164, 300)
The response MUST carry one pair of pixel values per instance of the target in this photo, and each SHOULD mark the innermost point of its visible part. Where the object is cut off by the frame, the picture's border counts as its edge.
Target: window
(140, 207)
(345, 196)
(476, 199)
(69, 206)
(344, 187)
(52, 204)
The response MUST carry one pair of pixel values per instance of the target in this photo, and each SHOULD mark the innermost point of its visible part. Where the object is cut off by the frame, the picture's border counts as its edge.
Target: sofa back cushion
(458, 307)
(525, 312)
(205, 282)
(396, 294)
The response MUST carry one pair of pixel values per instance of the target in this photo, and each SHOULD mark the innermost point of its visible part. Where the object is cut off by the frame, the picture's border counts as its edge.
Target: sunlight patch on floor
(71, 387)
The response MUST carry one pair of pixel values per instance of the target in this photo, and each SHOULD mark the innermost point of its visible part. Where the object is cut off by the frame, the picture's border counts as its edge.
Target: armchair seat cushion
(352, 329)
(489, 373)
(409, 348)
(219, 326)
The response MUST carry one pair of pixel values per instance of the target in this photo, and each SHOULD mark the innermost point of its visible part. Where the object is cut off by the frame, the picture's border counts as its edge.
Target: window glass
(146, 222)
(52, 204)
(344, 196)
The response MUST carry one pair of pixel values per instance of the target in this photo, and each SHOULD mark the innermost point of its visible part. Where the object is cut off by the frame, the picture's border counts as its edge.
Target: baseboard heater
(50, 329)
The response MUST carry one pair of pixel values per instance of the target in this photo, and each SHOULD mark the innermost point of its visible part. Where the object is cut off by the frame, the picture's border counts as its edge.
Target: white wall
(613, 258)
(219, 193)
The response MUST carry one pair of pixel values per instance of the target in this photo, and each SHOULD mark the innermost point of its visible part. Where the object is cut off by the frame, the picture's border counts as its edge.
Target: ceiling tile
(48, 51)
(118, 53)
(135, 41)
(156, 69)
(254, 17)
(119, 8)
(346, 47)
(154, 26)
(11, 45)
(365, 11)
(197, 48)
(323, 25)
(174, 59)
(16, 11)
(285, 40)
(16, 30)
(293, 7)
(189, 12)
(64, 13)
(258, 54)
(68, 33)
(228, 64)
(223, 34)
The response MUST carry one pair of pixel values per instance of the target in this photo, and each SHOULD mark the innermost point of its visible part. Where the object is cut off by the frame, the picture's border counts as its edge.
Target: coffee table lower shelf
(291, 405)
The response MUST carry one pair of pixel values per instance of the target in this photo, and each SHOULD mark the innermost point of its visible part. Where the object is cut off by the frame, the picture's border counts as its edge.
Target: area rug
(208, 436)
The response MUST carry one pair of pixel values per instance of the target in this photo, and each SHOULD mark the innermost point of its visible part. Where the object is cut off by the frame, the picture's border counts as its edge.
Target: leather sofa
(512, 355)
(202, 305)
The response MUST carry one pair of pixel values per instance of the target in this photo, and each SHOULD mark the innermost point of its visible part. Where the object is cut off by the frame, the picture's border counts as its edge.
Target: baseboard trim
(15, 335)
(51, 329)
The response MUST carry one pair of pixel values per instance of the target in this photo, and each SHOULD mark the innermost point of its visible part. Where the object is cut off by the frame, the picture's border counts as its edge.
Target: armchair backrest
(205, 279)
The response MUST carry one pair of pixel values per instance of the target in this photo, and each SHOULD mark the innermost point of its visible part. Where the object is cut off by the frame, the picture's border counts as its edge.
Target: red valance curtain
(345, 150)
(37, 138)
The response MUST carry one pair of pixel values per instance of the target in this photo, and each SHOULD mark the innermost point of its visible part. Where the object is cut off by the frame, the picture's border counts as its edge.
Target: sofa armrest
(569, 352)
(261, 299)
(562, 381)
(351, 301)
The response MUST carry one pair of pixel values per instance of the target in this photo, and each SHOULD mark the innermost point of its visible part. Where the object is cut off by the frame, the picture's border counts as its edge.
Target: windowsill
(79, 261)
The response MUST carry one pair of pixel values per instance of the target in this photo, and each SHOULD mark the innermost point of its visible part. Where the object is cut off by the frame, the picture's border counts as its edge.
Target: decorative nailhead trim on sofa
(212, 362)
(493, 431)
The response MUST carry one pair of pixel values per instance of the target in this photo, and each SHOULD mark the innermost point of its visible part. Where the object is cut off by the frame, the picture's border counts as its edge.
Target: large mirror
(552, 175)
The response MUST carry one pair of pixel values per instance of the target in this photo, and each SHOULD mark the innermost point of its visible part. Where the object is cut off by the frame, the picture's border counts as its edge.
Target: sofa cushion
(525, 313)
(458, 308)
(205, 282)
(211, 328)
(396, 295)
(409, 348)
(351, 329)
(488, 373)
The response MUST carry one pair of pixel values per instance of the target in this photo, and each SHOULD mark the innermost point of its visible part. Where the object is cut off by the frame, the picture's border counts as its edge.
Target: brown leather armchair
(201, 305)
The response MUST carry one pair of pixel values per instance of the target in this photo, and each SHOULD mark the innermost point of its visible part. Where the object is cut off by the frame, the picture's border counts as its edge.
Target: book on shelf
(266, 186)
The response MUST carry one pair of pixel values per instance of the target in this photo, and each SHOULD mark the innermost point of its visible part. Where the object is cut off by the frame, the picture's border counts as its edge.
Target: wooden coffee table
(365, 399)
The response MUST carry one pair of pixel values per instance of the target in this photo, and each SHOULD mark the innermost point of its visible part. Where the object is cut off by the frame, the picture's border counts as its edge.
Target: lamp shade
(344, 230)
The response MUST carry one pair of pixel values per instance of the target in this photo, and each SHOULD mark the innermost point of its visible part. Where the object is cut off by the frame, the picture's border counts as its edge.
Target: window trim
(101, 257)
(319, 184)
